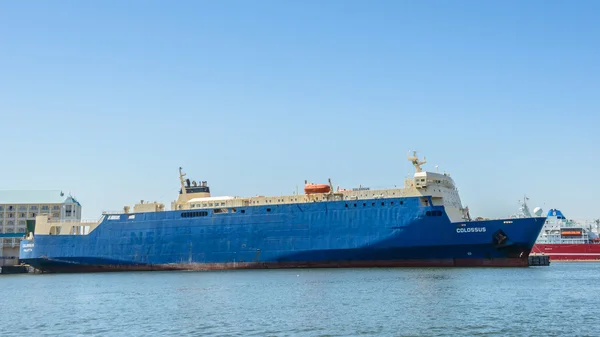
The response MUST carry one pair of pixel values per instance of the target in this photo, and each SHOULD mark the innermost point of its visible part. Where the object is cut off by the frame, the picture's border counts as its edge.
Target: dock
(18, 269)
(539, 260)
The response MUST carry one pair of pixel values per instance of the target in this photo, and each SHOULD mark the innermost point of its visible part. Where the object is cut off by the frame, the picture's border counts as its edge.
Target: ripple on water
(555, 300)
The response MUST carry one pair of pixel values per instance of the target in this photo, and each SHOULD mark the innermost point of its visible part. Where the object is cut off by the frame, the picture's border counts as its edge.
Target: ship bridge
(424, 179)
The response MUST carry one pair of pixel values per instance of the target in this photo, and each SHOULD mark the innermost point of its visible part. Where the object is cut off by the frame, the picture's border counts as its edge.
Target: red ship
(566, 240)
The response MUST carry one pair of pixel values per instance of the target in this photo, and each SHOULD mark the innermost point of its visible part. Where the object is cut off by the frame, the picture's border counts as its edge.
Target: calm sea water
(563, 299)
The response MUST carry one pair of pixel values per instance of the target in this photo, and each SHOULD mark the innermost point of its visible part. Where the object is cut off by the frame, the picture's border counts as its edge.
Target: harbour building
(19, 206)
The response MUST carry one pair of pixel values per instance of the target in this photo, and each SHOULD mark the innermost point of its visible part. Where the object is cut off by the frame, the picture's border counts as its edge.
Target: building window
(1, 208)
(21, 222)
(56, 215)
(33, 208)
(11, 215)
(56, 208)
(22, 208)
(10, 208)
(45, 208)
(22, 215)
(68, 210)
(32, 215)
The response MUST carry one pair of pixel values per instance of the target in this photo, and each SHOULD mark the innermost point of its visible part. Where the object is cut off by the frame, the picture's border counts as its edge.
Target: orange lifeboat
(316, 188)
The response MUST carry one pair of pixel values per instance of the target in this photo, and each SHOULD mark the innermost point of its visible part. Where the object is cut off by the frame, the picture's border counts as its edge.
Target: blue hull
(365, 233)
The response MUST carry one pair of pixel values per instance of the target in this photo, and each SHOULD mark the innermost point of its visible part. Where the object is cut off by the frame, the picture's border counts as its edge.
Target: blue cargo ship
(421, 224)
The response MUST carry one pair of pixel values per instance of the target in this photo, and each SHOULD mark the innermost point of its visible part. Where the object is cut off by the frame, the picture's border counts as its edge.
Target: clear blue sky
(107, 99)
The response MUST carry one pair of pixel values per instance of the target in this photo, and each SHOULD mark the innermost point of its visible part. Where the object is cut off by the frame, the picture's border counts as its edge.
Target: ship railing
(113, 212)
(69, 221)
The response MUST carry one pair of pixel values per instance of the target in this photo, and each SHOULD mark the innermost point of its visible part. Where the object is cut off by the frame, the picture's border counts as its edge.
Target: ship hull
(393, 232)
(569, 252)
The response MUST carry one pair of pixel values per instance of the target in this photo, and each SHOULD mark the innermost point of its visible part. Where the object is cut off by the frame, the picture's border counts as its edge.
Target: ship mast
(524, 208)
(181, 175)
(415, 161)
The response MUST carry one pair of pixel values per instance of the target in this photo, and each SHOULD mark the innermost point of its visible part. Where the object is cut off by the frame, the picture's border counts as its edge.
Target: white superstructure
(439, 187)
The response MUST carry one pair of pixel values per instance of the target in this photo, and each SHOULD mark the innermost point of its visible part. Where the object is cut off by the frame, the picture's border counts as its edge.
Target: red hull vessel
(567, 240)
(569, 252)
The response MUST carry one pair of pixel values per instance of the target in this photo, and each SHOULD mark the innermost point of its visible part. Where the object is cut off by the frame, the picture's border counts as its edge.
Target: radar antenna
(415, 161)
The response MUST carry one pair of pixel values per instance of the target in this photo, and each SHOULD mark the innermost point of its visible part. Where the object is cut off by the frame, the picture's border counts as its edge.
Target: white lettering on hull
(471, 230)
